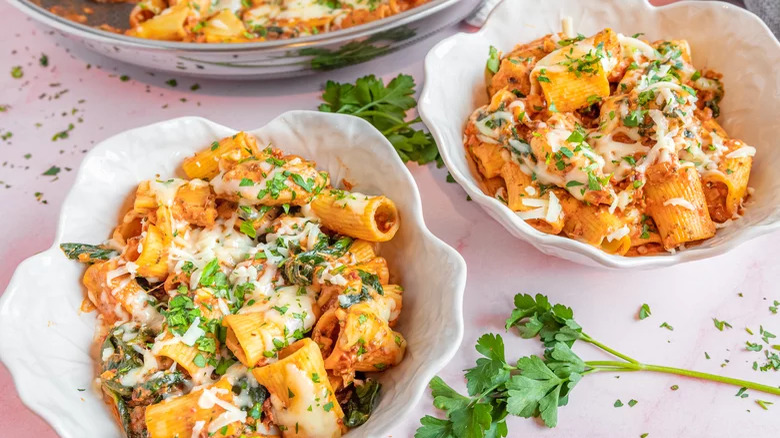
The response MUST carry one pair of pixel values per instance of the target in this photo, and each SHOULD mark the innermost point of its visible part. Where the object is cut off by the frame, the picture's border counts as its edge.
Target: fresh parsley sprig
(533, 386)
(385, 107)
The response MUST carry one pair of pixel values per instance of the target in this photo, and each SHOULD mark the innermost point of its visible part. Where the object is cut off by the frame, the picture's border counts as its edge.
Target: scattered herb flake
(644, 311)
(53, 171)
(720, 325)
(63, 134)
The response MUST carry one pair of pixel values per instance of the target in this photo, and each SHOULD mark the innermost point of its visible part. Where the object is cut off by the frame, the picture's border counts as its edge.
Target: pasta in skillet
(207, 21)
(247, 300)
(610, 140)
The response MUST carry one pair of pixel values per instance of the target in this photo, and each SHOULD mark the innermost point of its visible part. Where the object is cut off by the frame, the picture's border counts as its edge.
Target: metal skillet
(251, 60)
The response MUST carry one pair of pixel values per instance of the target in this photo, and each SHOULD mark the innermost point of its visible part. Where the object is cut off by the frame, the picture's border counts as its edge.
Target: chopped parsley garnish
(493, 61)
(307, 185)
(634, 118)
(542, 76)
(53, 171)
(720, 325)
(644, 311)
(248, 229)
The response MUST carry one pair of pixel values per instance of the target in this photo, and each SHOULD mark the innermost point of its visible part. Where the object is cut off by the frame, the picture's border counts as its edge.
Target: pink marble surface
(99, 105)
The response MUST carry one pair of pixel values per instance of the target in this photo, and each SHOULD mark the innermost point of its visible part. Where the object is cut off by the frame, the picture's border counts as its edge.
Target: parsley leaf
(536, 386)
(385, 107)
(493, 61)
(720, 325)
(644, 311)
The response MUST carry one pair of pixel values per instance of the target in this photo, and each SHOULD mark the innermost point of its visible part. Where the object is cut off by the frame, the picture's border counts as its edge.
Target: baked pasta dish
(610, 140)
(247, 300)
(217, 21)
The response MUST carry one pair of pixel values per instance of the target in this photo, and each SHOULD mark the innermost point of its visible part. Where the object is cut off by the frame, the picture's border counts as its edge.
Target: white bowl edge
(560, 246)
(23, 379)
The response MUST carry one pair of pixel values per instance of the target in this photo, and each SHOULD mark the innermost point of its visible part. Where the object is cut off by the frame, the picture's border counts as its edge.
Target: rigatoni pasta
(206, 21)
(610, 140)
(249, 300)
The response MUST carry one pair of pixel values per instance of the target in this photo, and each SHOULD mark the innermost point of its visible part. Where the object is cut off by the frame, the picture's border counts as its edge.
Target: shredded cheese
(680, 202)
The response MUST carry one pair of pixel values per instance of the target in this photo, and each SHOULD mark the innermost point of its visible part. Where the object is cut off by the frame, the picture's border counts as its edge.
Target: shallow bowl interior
(723, 37)
(45, 339)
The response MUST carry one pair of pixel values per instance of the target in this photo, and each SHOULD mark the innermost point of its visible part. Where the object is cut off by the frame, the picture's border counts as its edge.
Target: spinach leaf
(124, 358)
(299, 269)
(358, 408)
(347, 300)
(257, 395)
(152, 390)
(123, 412)
(370, 281)
(86, 253)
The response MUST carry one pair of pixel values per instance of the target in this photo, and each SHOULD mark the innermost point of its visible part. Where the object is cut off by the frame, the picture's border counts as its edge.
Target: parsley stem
(400, 126)
(381, 114)
(607, 365)
(484, 394)
(587, 338)
(368, 105)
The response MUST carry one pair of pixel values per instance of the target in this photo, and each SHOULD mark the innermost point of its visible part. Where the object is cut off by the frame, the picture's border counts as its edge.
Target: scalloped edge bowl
(723, 37)
(45, 339)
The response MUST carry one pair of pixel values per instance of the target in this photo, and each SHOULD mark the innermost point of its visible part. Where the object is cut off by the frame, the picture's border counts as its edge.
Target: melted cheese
(201, 245)
(136, 375)
(165, 191)
(618, 234)
(355, 202)
(335, 279)
(248, 193)
(744, 151)
(296, 415)
(305, 10)
(634, 47)
(498, 119)
(287, 308)
(613, 153)
(664, 147)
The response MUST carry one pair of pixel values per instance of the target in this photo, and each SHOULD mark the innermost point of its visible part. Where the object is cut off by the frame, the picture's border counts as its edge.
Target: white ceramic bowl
(45, 339)
(722, 37)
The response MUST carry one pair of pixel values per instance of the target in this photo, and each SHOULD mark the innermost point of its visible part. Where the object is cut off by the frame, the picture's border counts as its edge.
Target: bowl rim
(540, 240)
(18, 369)
(338, 36)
